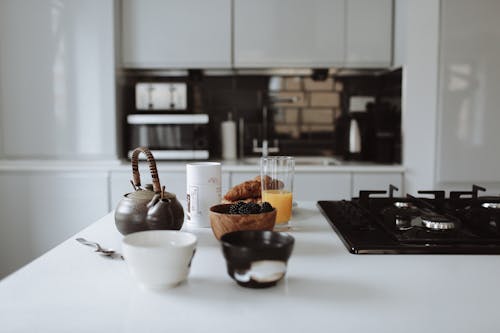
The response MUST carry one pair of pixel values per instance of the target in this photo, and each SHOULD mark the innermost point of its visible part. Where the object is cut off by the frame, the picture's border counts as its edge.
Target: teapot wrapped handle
(152, 168)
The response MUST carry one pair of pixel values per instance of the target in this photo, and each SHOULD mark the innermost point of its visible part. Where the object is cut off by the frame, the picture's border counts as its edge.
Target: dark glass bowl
(256, 258)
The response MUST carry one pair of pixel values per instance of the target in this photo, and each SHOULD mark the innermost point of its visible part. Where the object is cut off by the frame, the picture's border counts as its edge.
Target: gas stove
(462, 223)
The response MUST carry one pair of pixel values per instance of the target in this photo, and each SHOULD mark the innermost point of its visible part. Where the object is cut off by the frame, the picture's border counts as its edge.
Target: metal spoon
(99, 248)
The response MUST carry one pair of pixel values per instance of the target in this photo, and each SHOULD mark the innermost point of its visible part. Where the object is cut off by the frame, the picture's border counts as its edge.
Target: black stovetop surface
(462, 223)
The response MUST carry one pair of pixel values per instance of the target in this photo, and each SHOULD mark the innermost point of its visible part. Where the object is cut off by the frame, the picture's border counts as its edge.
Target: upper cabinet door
(369, 33)
(57, 79)
(176, 33)
(468, 133)
(288, 33)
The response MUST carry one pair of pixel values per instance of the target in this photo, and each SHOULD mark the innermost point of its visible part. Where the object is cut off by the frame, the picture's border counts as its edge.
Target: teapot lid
(141, 195)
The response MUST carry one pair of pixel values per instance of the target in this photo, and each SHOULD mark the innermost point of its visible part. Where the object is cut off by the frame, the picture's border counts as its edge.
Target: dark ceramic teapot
(165, 212)
(149, 208)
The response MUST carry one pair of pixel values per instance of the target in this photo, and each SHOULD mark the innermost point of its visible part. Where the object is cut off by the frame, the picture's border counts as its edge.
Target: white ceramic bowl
(159, 259)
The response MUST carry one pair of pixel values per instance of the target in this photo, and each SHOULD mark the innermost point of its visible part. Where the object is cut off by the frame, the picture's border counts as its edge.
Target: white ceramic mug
(203, 191)
(159, 259)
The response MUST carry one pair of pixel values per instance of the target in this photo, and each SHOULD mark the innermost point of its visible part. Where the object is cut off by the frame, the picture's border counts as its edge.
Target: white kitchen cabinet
(310, 186)
(41, 209)
(468, 133)
(119, 184)
(288, 33)
(368, 33)
(255, 34)
(176, 33)
(174, 181)
(57, 86)
(375, 181)
(225, 182)
(313, 186)
(240, 177)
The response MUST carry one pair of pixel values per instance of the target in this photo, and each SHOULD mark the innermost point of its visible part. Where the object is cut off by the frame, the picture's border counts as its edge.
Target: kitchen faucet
(265, 149)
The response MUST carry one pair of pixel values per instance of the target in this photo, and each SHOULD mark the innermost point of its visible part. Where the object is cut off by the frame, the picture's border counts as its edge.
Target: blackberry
(266, 207)
(249, 208)
(235, 208)
(243, 209)
(253, 208)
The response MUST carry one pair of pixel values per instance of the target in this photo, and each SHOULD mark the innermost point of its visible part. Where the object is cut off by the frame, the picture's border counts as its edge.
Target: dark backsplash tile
(309, 126)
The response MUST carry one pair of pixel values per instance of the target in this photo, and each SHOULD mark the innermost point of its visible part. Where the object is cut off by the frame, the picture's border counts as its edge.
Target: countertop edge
(227, 166)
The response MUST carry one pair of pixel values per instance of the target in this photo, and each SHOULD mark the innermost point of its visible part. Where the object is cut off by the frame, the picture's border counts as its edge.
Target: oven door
(170, 136)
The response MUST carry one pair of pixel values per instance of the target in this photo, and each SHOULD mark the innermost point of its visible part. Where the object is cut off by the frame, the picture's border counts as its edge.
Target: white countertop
(165, 166)
(326, 289)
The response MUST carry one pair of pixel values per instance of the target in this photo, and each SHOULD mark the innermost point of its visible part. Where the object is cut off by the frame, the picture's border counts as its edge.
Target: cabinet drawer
(322, 186)
(175, 182)
(376, 181)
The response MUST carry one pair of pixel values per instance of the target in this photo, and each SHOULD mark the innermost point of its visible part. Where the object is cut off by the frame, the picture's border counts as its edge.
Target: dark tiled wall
(315, 124)
(303, 127)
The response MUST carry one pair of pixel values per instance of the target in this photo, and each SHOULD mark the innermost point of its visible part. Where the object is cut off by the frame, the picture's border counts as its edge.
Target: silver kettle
(354, 137)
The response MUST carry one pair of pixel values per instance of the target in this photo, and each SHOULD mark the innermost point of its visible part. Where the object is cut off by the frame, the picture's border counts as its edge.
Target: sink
(299, 160)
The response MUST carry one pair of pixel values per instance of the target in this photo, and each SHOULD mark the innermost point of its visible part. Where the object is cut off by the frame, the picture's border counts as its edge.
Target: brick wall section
(317, 106)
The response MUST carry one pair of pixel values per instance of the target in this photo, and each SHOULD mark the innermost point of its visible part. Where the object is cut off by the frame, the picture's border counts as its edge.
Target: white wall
(416, 48)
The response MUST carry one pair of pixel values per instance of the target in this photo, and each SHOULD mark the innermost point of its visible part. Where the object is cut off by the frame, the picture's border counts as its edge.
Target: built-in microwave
(170, 136)
(162, 120)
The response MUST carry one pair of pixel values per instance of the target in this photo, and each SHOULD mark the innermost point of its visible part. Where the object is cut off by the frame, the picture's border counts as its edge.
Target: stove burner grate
(491, 205)
(438, 222)
(401, 210)
(462, 222)
(403, 224)
(404, 204)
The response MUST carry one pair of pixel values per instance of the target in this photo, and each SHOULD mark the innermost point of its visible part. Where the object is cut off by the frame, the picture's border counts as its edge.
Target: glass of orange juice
(277, 174)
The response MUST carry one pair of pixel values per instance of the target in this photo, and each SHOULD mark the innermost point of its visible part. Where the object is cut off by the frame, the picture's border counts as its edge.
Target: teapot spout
(165, 213)
(154, 201)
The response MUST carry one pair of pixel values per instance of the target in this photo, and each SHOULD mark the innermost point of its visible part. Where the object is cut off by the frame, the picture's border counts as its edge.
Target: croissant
(245, 190)
(251, 189)
(271, 183)
(256, 200)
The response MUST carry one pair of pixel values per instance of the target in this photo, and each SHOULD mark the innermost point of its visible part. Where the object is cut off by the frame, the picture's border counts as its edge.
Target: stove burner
(403, 224)
(438, 222)
(402, 210)
(458, 223)
(401, 213)
(491, 205)
(403, 205)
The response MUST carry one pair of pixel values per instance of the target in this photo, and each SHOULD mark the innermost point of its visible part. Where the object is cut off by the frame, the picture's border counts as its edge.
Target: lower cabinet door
(322, 186)
(377, 181)
(314, 186)
(240, 177)
(310, 186)
(174, 181)
(40, 209)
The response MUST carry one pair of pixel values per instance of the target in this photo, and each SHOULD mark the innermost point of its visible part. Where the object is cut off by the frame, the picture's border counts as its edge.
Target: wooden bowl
(222, 222)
